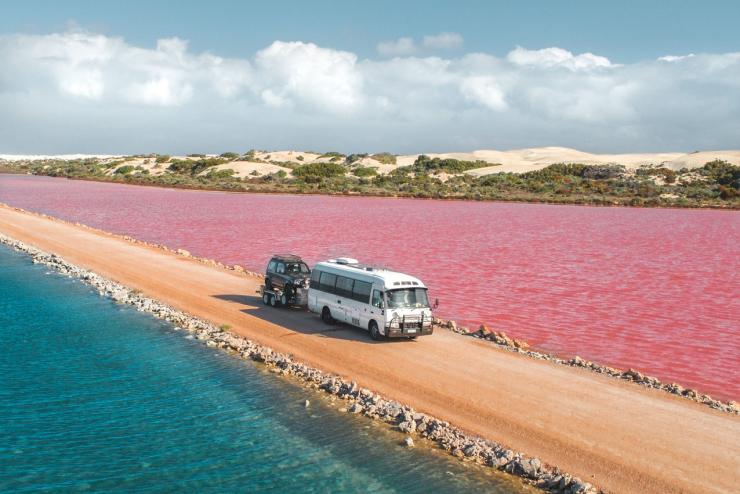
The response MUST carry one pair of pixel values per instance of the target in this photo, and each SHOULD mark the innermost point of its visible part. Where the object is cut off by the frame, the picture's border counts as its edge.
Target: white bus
(383, 302)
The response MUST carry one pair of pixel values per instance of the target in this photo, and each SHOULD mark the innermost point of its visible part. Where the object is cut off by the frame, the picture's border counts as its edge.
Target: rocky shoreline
(498, 339)
(359, 400)
(502, 341)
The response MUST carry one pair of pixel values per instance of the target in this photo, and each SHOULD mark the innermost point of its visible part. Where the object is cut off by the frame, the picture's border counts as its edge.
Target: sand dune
(524, 160)
(514, 161)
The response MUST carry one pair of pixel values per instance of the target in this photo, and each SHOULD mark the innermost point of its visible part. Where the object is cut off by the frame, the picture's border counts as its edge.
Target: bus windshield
(405, 298)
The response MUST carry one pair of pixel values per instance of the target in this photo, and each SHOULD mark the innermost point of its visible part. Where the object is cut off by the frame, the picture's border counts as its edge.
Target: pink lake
(653, 289)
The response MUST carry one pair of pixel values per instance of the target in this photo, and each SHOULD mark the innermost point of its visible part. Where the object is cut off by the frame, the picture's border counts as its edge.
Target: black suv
(286, 281)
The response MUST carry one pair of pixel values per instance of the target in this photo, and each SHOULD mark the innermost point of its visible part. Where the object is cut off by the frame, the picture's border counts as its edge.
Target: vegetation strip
(714, 185)
(497, 338)
(360, 400)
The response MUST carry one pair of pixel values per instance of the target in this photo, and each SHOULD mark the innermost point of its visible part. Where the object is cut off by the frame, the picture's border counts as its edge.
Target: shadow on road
(300, 320)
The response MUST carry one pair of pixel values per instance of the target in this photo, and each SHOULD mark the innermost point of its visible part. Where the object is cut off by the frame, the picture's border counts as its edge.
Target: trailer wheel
(326, 316)
(265, 298)
(374, 331)
(284, 298)
(273, 300)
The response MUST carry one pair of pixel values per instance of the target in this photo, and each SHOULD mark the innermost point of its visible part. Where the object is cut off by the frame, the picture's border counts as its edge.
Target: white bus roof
(390, 280)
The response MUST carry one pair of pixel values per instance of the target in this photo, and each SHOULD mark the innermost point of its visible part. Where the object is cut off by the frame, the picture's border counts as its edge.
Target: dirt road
(614, 434)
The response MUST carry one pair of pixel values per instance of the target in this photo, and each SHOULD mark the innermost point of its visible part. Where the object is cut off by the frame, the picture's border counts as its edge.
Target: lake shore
(564, 416)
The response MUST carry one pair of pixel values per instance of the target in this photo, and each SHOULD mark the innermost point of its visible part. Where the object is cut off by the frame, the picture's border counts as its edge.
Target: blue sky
(409, 76)
(624, 31)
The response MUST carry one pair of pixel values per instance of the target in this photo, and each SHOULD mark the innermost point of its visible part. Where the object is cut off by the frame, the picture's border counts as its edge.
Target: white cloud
(483, 90)
(397, 47)
(443, 41)
(304, 74)
(556, 57)
(675, 58)
(162, 91)
(55, 88)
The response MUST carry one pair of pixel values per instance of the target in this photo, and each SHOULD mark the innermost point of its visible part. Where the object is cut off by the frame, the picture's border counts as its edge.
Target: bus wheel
(273, 300)
(326, 316)
(284, 299)
(374, 331)
(266, 298)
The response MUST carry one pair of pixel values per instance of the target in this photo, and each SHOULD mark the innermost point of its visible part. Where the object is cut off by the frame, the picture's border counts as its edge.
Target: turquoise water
(97, 397)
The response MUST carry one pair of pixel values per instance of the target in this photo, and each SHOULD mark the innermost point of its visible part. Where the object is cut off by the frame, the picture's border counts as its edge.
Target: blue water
(98, 397)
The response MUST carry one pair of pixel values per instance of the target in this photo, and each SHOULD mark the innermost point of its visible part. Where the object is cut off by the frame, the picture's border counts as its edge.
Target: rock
(306, 403)
(409, 442)
(356, 408)
(633, 375)
(470, 450)
(520, 344)
(531, 467)
(183, 252)
(238, 268)
(407, 426)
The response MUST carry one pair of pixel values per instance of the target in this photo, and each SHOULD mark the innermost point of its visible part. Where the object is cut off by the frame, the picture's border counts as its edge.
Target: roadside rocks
(518, 346)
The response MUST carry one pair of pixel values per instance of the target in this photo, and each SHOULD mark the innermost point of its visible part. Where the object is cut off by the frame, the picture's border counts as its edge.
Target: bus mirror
(436, 303)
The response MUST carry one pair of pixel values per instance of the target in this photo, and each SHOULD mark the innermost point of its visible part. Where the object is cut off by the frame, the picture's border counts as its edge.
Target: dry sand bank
(622, 437)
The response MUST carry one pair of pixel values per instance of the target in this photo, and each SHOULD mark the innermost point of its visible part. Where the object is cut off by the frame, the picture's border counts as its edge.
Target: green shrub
(424, 164)
(314, 172)
(124, 170)
(365, 171)
(722, 173)
(162, 158)
(385, 158)
(351, 158)
(229, 156)
(195, 155)
(668, 175)
(220, 174)
(727, 193)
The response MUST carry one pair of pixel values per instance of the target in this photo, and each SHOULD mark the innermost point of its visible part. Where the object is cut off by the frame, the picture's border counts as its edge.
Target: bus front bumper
(408, 332)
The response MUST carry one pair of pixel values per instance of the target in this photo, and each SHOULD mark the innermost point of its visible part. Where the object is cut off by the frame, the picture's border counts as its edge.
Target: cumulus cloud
(483, 90)
(305, 74)
(443, 41)
(86, 92)
(556, 57)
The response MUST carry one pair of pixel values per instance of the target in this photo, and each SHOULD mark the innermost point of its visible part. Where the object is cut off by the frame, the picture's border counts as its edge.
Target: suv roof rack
(287, 257)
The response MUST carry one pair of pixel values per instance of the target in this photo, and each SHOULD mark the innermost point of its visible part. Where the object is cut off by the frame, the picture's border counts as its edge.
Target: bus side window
(315, 279)
(377, 299)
